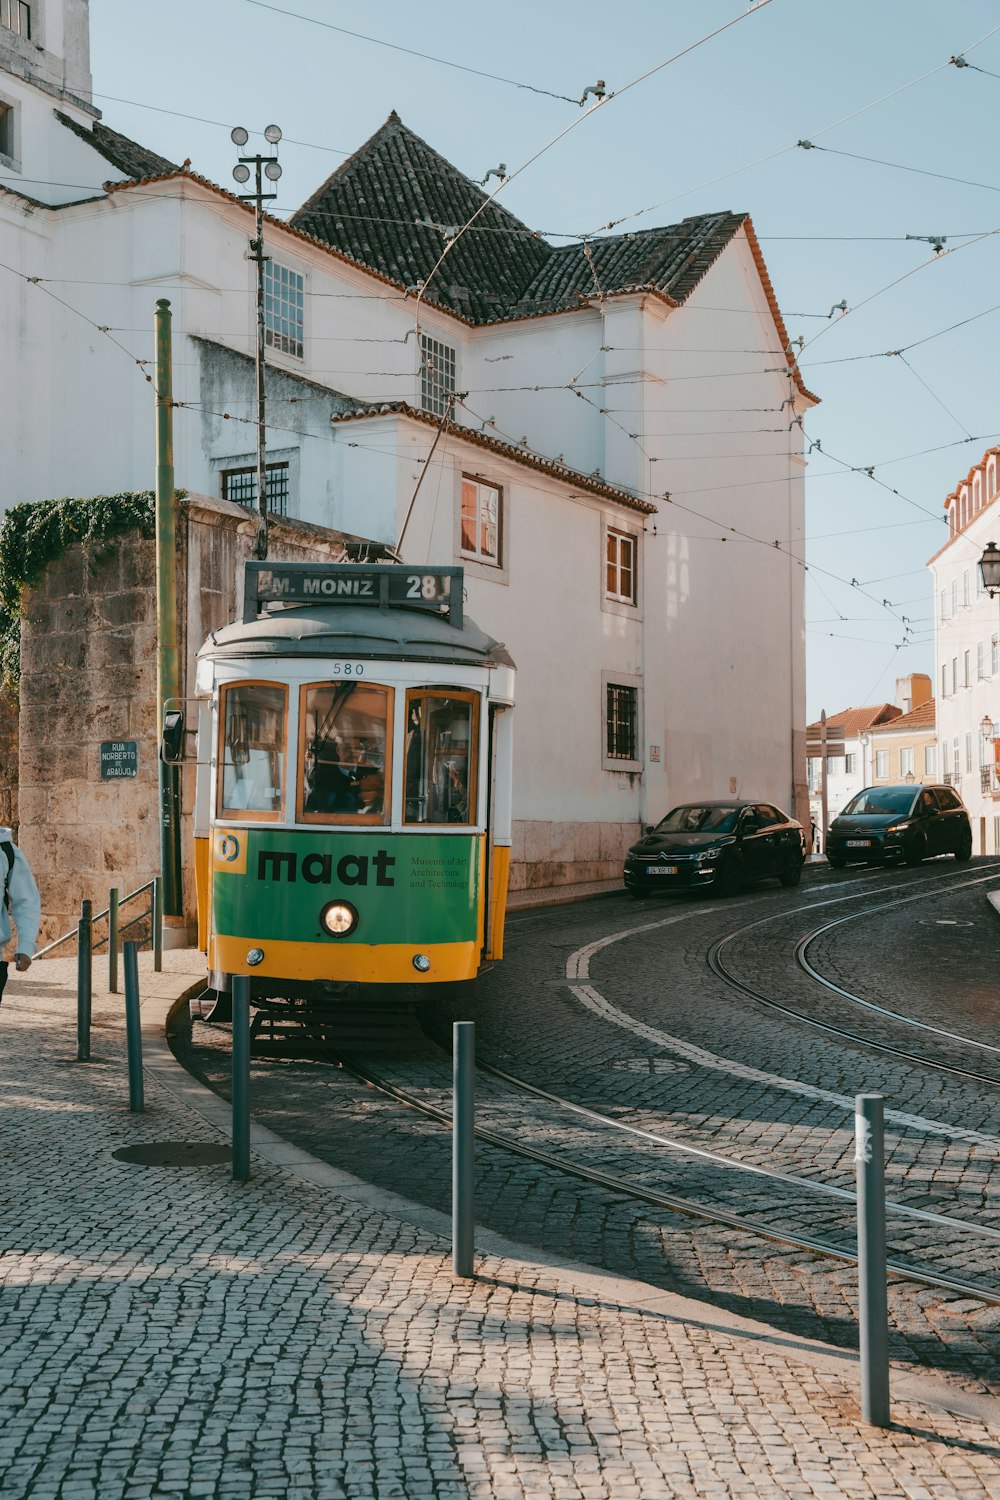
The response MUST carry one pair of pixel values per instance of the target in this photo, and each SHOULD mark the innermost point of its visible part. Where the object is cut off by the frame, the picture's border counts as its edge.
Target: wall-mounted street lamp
(264, 167)
(989, 568)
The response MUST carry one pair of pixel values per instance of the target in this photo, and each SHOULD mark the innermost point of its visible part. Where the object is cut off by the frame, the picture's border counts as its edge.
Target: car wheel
(792, 873)
(964, 850)
(836, 861)
(916, 850)
(729, 880)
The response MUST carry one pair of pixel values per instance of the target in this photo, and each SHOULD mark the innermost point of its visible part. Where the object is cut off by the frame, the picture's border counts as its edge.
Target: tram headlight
(338, 918)
(421, 963)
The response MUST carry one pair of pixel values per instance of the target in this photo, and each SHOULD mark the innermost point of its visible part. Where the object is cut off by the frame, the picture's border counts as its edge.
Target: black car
(717, 844)
(900, 823)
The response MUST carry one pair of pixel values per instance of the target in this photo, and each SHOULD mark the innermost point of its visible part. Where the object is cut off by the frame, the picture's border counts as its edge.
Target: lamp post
(264, 166)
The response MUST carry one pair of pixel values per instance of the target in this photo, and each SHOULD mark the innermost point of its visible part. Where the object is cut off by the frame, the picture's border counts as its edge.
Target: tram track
(845, 1033)
(685, 1205)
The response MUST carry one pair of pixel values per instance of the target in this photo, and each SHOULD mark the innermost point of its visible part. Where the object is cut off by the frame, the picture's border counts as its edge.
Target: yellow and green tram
(353, 802)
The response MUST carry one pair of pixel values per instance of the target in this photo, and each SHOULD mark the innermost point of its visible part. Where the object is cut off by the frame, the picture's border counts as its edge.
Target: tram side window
(345, 737)
(253, 750)
(440, 757)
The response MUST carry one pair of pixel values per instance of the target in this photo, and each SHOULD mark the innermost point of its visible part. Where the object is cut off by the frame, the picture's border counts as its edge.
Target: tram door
(498, 825)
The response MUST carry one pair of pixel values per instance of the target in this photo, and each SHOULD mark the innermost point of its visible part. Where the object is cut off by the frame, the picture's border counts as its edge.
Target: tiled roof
(671, 261)
(924, 716)
(376, 208)
(126, 155)
(588, 482)
(849, 723)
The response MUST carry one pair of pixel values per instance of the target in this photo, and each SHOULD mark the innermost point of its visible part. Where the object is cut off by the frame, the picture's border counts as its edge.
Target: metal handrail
(150, 885)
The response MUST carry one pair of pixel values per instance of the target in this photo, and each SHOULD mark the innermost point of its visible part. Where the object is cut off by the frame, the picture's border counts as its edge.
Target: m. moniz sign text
(385, 585)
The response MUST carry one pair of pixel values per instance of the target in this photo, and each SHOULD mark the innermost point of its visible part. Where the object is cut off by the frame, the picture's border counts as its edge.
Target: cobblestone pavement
(168, 1332)
(690, 1069)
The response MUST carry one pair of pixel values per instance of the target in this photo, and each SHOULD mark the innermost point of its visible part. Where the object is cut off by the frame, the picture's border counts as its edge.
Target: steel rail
(717, 966)
(668, 1200)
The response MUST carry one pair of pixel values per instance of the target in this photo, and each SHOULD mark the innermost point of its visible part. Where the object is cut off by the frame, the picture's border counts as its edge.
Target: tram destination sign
(387, 585)
(119, 760)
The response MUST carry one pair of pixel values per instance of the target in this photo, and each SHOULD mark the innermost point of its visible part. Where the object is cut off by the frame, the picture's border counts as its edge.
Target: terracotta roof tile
(849, 723)
(924, 716)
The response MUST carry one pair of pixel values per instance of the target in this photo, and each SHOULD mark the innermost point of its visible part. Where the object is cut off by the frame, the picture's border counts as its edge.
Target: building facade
(564, 422)
(967, 651)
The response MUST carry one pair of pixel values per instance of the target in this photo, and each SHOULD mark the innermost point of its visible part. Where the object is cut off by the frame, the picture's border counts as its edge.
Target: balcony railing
(16, 16)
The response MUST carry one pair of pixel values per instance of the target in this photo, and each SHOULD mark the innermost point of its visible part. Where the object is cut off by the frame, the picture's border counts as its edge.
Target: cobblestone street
(168, 1332)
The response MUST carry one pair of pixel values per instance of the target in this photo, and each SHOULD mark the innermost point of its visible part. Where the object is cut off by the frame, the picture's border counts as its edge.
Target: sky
(854, 219)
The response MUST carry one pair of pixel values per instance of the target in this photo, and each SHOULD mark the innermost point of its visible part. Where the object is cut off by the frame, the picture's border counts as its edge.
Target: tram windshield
(253, 750)
(441, 756)
(345, 738)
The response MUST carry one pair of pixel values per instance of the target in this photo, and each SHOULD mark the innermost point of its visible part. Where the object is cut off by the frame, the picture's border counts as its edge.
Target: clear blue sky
(832, 227)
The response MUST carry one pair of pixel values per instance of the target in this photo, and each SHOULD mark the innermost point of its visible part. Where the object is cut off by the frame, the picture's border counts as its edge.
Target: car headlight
(338, 918)
(709, 854)
(897, 828)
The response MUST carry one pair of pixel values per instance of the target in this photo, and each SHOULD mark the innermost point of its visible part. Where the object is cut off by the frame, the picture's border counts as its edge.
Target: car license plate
(662, 870)
(859, 843)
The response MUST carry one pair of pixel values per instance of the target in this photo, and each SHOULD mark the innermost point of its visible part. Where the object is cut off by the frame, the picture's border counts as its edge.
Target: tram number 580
(423, 586)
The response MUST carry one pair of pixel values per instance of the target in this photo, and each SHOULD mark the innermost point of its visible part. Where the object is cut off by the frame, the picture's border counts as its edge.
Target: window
(954, 674)
(930, 760)
(965, 588)
(253, 750)
(944, 604)
(620, 581)
(966, 664)
(979, 582)
(881, 762)
(944, 682)
(240, 485)
(906, 762)
(622, 722)
(284, 308)
(442, 731)
(954, 596)
(994, 655)
(345, 740)
(6, 125)
(968, 752)
(956, 763)
(833, 765)
(482, 521)
(437, 376)
(980, 661)
(851, 764)
(16, 16)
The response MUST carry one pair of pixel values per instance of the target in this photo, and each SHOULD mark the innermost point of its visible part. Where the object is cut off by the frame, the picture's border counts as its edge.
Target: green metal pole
(167, 673)
(113, 940)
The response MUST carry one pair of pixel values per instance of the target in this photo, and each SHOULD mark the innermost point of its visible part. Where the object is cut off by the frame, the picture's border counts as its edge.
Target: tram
(353, 792)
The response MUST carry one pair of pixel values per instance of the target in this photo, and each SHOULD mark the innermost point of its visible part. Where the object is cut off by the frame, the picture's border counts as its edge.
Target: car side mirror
(172, 739)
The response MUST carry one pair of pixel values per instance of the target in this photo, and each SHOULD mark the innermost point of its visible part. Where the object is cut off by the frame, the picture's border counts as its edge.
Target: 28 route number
(423, 586)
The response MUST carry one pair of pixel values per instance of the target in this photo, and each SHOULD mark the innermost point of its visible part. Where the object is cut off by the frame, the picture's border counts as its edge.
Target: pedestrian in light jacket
(20, 902)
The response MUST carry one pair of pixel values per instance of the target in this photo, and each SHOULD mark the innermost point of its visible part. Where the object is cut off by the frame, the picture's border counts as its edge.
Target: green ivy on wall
(34, 534)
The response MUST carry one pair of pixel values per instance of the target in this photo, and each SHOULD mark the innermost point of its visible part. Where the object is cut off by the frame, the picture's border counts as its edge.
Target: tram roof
(359, 630)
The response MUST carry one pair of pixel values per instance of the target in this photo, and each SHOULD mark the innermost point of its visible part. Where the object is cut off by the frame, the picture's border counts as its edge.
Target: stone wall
(548, 854)
(9, 716)
(88, 675)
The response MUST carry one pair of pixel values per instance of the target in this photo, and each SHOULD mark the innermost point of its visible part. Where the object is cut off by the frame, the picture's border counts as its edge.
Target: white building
(967, 651)
(570, 424)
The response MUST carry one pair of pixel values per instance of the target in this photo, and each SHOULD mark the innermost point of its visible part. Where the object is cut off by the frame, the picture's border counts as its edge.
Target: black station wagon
(900, 823)
(716, 844)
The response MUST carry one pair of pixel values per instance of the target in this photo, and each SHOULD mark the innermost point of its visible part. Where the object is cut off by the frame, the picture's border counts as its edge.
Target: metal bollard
(873, 1312)
(113, 940)
(157, 925)
(133, 1029)
(241, 1078)
(463, 1143)
(84, 935)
